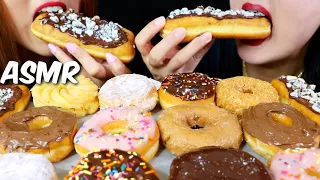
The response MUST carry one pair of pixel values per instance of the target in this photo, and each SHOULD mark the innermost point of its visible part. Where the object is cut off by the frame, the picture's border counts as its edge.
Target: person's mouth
(51, 7)
(257, 8)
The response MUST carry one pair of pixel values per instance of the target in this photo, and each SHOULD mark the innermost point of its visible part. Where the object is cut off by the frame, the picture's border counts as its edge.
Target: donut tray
(161, 162)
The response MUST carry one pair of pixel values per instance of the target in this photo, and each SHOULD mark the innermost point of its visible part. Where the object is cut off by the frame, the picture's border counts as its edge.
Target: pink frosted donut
(303, 164)
(127, 128)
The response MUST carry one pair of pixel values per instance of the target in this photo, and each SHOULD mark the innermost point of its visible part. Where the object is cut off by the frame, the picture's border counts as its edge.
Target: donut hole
(281, 118)
(116, 127)
(244, 90)
(39, 122)
(195, 122)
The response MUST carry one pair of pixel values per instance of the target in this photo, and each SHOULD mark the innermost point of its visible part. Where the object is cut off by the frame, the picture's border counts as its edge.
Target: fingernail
(160, 21)
(110, 58)
(52, 48)
(71, 47)
(206, 37)
(180, 33)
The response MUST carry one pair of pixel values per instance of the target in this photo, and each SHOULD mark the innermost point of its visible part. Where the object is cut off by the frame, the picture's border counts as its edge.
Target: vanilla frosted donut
(127, 128)
(303, 164)
(26, 166)
(130, 89)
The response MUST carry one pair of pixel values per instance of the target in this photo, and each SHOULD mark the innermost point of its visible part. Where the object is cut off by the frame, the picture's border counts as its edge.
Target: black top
(135, 15)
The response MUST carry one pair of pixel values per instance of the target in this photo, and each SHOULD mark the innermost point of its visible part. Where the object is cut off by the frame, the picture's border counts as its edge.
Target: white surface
(161, 162)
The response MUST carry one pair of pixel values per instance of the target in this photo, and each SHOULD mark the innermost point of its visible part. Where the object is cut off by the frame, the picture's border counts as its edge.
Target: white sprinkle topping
(5, 95)
(83, 26)
(300, 89)
(200, 10)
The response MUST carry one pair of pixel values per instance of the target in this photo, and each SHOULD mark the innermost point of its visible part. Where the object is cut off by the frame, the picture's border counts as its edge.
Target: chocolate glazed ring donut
(44, 130)
(218, 163)
(271, 127)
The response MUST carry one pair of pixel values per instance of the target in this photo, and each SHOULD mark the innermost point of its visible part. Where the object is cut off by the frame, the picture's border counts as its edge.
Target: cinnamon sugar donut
(239, 93)
(129, 89)
(185, 128)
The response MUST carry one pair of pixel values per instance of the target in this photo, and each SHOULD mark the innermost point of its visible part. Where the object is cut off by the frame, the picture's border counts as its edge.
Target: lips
(258, 8)
(48, 4)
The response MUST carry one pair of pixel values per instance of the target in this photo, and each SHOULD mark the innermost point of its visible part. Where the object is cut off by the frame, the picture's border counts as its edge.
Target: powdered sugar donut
(130, 89)
(127, 128)
(303, 164)
(26, 166)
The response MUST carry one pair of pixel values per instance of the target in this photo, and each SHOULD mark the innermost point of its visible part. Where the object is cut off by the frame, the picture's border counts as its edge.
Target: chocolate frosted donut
(267, 136)
(187, 88)
(112, 164)
(217, 163)
(44, 130)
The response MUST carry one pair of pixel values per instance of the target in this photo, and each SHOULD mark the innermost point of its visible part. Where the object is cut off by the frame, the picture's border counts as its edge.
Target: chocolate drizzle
(216, 13)
(9, 96)
(112, 164)
(190, 86)
(88, 31)
(217, 164)
(259, 123)
(302, 92)
(15, 134)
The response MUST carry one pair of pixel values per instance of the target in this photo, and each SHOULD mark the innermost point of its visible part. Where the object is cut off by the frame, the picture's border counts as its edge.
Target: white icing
(107, 32)
(303, 90)
(216, 12)
(5, 95)
(26, 166)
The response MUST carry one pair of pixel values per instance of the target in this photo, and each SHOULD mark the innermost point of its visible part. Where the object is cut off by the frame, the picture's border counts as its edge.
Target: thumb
(115, 65)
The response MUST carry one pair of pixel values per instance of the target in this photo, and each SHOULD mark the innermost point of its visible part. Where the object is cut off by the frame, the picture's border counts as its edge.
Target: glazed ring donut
(45, 130)
(13, 99)
(296, 164)
(271, 127)
(218, 163)
(112, 164)
(26, 166)
(187, 88)
(97, 37)
(296, 92)
(130, 89)
(239, 24)
(185, 128)
(127, 128)
(239, 93)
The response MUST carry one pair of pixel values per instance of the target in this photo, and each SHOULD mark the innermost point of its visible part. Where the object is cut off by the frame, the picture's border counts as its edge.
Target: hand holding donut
(98, 70)
(167, 57)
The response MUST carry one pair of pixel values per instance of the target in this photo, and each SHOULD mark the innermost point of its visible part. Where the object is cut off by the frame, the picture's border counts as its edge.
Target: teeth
(51, 9)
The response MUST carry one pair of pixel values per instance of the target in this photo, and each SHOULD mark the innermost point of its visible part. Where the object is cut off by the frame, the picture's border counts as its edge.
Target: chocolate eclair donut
(271, 127)
(239, 24)
(187, 88)
(217, 163)
(112, 164)
(13, 99)
(97, 37)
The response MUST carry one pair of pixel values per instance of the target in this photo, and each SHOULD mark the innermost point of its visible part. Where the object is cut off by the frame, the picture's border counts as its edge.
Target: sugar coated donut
(296, 92)
(239, 93)
(26, 166)
(127, 128)
(271, 127)
(294, 164)
(218, 163)
(130, 89)
(13, 99)
(95, 36)
(187, 127)
(239, 24)
(45, 130)
(80, 99)
(112, 164)
(187, 88)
